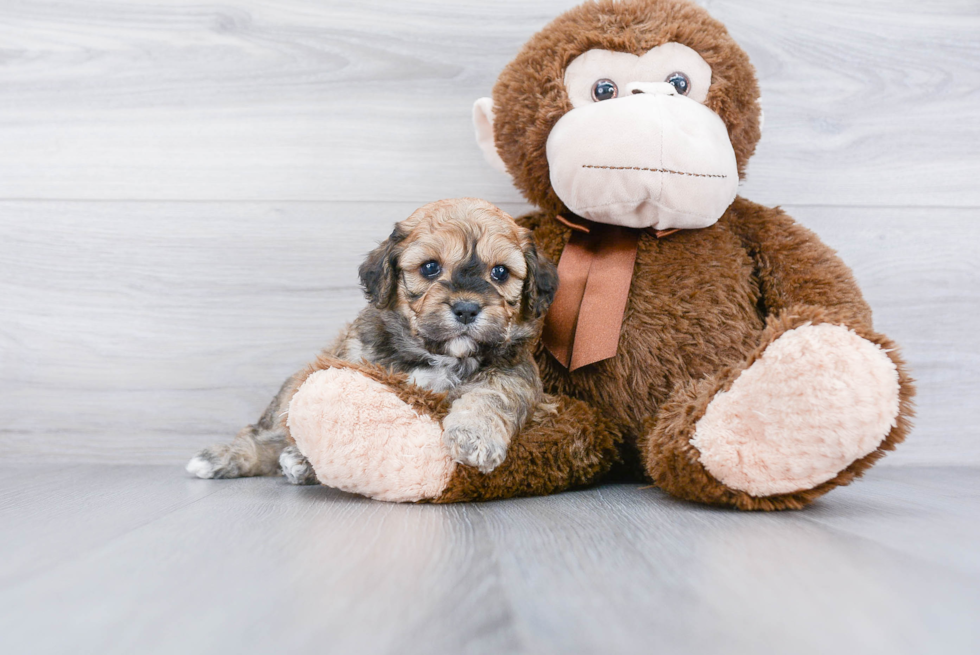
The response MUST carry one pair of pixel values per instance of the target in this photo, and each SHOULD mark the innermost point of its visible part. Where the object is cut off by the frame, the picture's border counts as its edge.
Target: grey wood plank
(51, 514)
(696, 579)
(904, 504)
(259, 565)
(855, 93)
(262, 566)
(140, 332)
(871, 102)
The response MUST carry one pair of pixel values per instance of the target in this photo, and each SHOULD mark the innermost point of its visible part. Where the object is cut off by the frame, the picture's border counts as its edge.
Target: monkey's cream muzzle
(649, 159)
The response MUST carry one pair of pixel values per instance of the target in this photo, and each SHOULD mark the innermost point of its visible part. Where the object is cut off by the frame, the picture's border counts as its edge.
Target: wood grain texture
(140, 332)
(869, 102)
(253, 566)
(67, 515)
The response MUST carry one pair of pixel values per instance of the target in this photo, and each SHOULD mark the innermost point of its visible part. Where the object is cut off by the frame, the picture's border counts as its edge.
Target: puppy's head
(463, 273)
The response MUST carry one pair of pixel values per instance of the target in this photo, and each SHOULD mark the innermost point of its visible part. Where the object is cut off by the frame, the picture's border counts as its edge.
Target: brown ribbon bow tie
(594, 272)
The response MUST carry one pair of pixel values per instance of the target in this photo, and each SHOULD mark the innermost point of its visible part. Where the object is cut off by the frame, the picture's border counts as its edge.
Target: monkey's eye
(499, 273)
(680, 82)
(430, 270)
(604, 90)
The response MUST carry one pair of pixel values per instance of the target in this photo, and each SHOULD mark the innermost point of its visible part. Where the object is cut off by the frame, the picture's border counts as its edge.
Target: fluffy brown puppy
(712, 345)
(456, 297)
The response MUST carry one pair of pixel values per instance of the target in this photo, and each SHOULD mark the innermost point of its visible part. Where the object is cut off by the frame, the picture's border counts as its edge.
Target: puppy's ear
(540, 283)
(379, 272)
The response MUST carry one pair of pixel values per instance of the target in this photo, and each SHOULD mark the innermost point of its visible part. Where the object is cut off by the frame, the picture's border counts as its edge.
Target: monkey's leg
(814, 407)
(369, 432)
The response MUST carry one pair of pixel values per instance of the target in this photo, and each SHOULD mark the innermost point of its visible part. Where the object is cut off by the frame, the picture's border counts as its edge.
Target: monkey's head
(641, 113)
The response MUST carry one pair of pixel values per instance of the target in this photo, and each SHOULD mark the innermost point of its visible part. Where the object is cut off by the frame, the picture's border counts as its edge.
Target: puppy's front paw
(295, 467)
(474, 441)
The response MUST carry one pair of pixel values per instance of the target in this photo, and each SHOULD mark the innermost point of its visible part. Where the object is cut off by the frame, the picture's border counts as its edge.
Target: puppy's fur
(442, 311)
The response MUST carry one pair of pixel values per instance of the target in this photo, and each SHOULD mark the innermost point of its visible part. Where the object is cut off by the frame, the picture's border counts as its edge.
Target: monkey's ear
(379, 272)
(540, 283)
(483, 122)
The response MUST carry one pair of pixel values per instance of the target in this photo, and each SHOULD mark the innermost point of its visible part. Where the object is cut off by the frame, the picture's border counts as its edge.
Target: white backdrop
(186, 190)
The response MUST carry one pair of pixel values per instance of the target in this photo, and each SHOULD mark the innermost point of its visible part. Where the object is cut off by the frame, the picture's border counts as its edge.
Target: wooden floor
(143, 559)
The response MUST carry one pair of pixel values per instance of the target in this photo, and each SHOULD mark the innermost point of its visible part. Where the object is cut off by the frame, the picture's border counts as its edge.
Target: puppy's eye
(430, 270)
(680, 82)
(499, 274)
(604, 90)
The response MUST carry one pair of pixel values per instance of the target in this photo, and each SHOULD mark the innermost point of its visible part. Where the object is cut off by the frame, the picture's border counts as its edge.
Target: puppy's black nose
(466, 311)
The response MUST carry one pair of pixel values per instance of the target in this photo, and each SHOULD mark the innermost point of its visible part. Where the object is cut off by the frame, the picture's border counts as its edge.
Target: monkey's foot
(817, 399)
(361, 437)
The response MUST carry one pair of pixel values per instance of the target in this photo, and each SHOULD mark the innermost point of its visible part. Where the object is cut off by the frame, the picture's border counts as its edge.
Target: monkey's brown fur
(704, 304)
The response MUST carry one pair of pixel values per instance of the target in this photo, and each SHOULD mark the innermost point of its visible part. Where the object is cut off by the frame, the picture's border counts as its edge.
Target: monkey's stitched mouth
(653, 170)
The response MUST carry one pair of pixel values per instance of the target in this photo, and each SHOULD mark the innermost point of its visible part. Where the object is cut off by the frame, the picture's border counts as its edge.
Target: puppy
(456, 296)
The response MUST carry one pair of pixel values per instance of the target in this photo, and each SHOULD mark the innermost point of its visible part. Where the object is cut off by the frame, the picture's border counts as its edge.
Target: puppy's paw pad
(296, 468)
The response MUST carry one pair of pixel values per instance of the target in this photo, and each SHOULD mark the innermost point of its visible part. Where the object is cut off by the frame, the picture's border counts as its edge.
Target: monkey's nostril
(635, 91)
(466, 311)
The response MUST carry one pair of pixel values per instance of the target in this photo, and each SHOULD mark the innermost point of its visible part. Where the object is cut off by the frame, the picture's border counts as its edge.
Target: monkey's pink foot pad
(819, 398)
(362, 438)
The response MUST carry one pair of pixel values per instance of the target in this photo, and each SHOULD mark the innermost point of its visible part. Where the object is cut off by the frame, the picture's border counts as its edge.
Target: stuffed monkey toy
(697, 341)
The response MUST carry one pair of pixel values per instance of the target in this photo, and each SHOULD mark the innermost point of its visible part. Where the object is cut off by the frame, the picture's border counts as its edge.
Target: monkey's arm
(796, 271)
